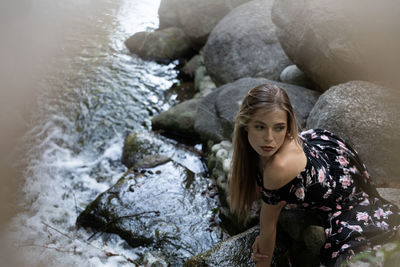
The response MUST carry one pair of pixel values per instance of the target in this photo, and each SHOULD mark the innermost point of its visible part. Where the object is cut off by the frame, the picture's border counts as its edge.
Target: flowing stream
(94, 94)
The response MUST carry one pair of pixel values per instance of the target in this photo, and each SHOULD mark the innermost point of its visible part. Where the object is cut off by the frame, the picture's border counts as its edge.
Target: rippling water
(93, 94)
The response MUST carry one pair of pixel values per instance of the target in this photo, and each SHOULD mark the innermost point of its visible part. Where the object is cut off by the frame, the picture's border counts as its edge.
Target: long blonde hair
(242, 183)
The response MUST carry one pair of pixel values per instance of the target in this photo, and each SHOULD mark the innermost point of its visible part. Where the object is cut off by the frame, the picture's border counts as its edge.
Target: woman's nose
(268, 135)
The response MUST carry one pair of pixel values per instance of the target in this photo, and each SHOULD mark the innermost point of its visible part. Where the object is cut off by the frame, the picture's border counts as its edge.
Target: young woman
(311, 170)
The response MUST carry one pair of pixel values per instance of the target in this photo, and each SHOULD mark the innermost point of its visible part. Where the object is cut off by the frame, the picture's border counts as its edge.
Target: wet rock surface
(158, 207)
(179, 120)
(162, 45)
(234, 251)
(137, 145)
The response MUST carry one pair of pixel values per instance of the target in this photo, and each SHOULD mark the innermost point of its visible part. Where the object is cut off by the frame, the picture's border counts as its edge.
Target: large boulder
(179, 120)
(162, 45)
(196, 18)
(168, 13)
(366, 116)
(243, 44)
(234, 251)
(216, 111)
(161, 209)
(333, 42)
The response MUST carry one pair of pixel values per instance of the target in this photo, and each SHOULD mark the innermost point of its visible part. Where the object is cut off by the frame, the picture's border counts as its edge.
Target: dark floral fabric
(337, 182)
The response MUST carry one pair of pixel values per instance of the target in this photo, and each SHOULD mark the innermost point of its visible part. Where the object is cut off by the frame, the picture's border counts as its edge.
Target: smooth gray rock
(243, 44)
(179, 120)
(216, 111)
(390, 194)
(367, 117)
(293, 75)
(162, 45)
(203, 82)
(196, 18)
(193, 64)
(332, 42)
(168, 14)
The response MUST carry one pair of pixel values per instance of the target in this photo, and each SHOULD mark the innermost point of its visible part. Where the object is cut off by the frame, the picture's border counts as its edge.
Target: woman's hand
(256, 255)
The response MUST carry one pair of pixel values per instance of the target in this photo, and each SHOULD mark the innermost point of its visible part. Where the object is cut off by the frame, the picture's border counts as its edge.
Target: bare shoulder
(286, 164)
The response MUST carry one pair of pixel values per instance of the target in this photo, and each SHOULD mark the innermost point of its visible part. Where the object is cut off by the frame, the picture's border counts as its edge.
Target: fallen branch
(103, 228)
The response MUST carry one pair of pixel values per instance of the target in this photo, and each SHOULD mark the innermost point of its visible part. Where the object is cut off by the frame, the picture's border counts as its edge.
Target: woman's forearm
(267, 235)
(267, 245)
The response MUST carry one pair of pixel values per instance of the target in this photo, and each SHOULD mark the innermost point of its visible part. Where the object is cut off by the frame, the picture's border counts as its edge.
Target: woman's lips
(267, 148)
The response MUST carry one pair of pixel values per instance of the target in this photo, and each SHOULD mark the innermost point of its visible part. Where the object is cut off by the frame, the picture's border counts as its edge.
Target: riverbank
(334, 84)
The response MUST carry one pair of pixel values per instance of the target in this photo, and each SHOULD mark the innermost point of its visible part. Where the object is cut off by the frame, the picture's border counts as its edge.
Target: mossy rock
(136, 146)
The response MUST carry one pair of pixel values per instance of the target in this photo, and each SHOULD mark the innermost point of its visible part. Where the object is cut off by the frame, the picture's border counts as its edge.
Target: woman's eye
(281, 128)
(259, 127)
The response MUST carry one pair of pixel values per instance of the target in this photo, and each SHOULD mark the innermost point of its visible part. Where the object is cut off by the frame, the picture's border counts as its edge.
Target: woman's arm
(265, 242)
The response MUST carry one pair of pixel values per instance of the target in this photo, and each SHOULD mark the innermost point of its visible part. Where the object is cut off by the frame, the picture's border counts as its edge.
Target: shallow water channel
(96, 93)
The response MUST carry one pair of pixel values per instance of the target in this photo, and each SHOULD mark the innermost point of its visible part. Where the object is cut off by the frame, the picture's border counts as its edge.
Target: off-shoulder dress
(336, 182)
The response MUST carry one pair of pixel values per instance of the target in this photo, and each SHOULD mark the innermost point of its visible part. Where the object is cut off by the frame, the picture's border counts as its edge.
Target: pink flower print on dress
(379, 213)
(325, 208)
(300, 193)
(313, 135)
(338, 207)
(341, 144)
(345, 181)
(342, 160)
(308, 179)
(383, 225)
(328, 193)
(321, 175)
(365, 202)
(353, 170)
(324, 137)
(335, 254)
(328, 231)
(339, 151)
(355, 228)
(327, 245)
(337, 213)
(312, 171)
(345, 246)
(362, 216)
(387, 213)
(366, 174)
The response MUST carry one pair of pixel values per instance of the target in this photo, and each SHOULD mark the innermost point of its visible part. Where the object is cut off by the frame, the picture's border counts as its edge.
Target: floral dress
(337, 182)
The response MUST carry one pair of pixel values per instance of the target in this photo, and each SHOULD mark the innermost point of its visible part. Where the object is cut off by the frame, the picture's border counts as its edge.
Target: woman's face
(267, 130)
